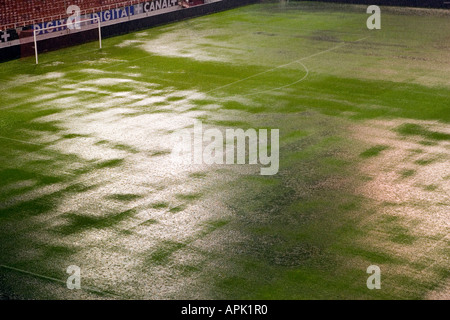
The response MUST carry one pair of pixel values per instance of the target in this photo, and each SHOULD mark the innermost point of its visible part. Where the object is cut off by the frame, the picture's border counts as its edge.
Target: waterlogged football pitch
(86, 176)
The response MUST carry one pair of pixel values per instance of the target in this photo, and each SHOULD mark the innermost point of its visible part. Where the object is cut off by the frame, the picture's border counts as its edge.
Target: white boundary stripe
(287, 64)
(32, 274)
(88, 289)
(22, 141)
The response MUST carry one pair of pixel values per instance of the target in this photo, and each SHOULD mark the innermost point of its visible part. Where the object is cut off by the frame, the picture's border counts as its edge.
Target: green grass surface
(86, 177)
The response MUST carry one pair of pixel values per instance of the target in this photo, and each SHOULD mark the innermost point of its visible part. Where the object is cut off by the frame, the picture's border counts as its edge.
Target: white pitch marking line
(89, 289)
(31, 273)
(282, 87)
(27, 142)
(284, 65)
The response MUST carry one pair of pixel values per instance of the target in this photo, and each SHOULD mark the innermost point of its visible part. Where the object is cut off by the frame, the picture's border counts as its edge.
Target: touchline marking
(36, 144)
(88, 289)
(287, 64)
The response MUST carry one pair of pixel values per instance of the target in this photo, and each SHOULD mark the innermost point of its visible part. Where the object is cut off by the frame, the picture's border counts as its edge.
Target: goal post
(76, 24)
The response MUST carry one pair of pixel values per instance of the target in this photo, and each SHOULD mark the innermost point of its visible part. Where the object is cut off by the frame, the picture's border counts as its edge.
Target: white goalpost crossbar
(74, 23)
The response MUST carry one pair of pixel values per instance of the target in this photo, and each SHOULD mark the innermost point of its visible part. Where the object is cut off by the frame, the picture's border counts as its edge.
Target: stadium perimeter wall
(164, 18)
